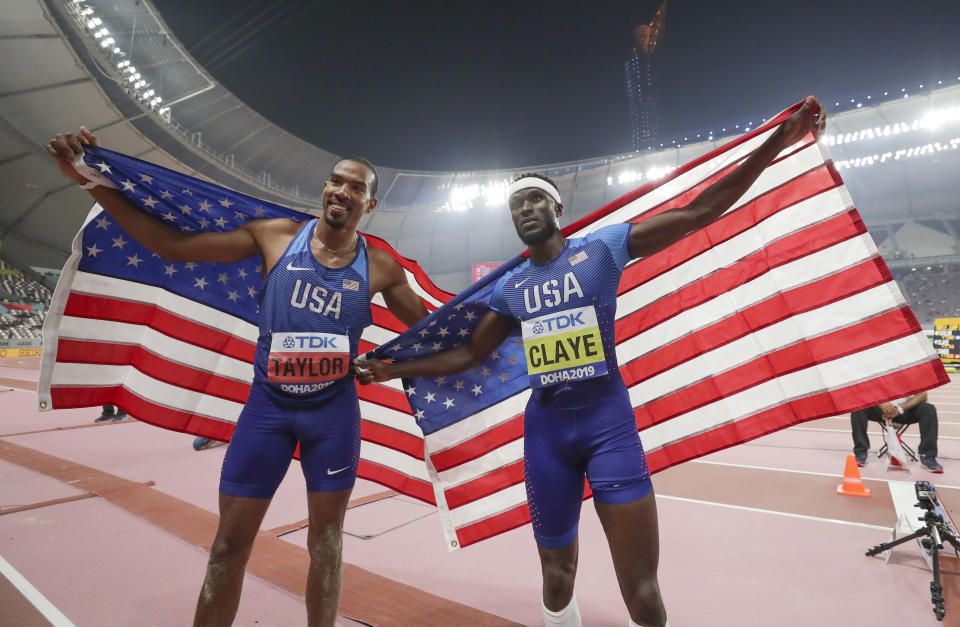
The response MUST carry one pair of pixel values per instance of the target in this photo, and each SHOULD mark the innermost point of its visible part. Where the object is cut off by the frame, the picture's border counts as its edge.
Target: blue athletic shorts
(267, 434)
(562, 444)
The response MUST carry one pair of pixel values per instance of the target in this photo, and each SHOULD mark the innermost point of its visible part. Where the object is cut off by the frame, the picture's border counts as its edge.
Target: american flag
(780, 312)
(173, 343)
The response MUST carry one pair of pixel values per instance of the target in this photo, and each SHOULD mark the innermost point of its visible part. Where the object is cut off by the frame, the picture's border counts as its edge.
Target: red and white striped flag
(782, 311)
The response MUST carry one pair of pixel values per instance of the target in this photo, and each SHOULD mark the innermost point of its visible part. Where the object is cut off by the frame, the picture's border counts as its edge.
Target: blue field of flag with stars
(441, 401)
(187, 204)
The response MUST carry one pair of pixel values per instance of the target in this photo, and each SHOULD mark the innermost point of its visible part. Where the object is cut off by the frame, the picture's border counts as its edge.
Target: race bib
(308, 357)
(563, 346)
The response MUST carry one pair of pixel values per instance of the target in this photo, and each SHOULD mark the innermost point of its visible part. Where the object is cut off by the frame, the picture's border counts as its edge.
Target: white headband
(532, 181)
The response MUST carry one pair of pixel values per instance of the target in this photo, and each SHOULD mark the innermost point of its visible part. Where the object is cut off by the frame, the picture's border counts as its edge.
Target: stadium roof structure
(116, 67)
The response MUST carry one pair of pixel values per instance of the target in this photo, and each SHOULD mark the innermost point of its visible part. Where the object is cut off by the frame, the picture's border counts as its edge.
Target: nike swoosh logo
(333, 472)
(521, 282)
(290, 267)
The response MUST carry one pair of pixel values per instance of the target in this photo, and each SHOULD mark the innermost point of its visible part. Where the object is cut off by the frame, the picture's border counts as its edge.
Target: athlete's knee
(325, 540)
(228, 547)
(558, 577)
(644, 601)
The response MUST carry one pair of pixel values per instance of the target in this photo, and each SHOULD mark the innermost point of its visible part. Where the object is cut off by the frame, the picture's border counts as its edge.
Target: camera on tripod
(937, 529)
(926, 495)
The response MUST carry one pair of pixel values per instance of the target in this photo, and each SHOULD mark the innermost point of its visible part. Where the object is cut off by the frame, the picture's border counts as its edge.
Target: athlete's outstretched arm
(660, 231)
(492, 330)
(392, 283)
(166, 241)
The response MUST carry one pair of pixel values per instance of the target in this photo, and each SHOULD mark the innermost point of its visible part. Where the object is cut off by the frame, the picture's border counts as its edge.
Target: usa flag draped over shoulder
(780, 312)
(173, 343)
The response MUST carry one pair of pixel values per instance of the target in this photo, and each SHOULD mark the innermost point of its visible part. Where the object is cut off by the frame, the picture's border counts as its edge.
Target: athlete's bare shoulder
(273, 235)
(274, 226)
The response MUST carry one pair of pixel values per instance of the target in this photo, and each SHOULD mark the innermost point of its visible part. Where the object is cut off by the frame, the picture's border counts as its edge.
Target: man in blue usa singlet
(579, 420)
(315, 301)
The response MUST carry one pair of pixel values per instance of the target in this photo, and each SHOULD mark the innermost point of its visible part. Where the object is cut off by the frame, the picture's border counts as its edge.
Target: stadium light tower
(644, 122)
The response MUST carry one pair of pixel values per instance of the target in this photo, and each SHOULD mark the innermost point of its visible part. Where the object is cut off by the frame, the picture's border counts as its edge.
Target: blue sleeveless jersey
(311, 318)
(566, 308)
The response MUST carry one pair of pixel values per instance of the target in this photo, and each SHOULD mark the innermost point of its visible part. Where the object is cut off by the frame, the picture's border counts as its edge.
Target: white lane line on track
(45, 607)
(876, 433)
(847, 419)
(773, 512)
(804, 472)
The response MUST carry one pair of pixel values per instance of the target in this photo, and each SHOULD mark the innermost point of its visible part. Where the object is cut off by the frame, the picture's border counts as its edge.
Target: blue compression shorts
(267, 434)
(562, 444)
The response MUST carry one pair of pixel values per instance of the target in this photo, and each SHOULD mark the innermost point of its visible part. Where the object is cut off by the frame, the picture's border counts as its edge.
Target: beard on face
(335, 222)
(538, 236)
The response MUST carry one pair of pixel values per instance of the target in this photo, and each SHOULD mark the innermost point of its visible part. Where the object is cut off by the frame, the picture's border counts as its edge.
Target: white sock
(567, 617)
(633, 624)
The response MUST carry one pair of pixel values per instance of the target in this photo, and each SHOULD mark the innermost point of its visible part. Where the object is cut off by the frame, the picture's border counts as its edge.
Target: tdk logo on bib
(559, 322)
(312, 341)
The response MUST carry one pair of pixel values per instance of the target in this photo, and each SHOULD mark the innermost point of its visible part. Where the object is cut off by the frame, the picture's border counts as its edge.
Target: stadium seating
(932, 294)
(19, 295)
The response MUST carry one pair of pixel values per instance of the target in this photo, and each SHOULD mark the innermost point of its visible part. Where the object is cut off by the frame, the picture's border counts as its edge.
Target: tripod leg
(889, 545)
(936, 590)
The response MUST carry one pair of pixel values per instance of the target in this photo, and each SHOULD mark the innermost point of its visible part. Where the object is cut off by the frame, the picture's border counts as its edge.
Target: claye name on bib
(308, 357)
(563, 346)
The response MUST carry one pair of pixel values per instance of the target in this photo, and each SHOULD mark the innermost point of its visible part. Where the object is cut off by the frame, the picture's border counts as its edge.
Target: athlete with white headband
(579, 420)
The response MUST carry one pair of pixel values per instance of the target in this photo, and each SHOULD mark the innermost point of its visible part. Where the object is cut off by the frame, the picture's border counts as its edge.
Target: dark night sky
(450, 85)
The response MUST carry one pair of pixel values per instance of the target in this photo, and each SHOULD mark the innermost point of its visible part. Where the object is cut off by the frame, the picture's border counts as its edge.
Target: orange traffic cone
(852, 483)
